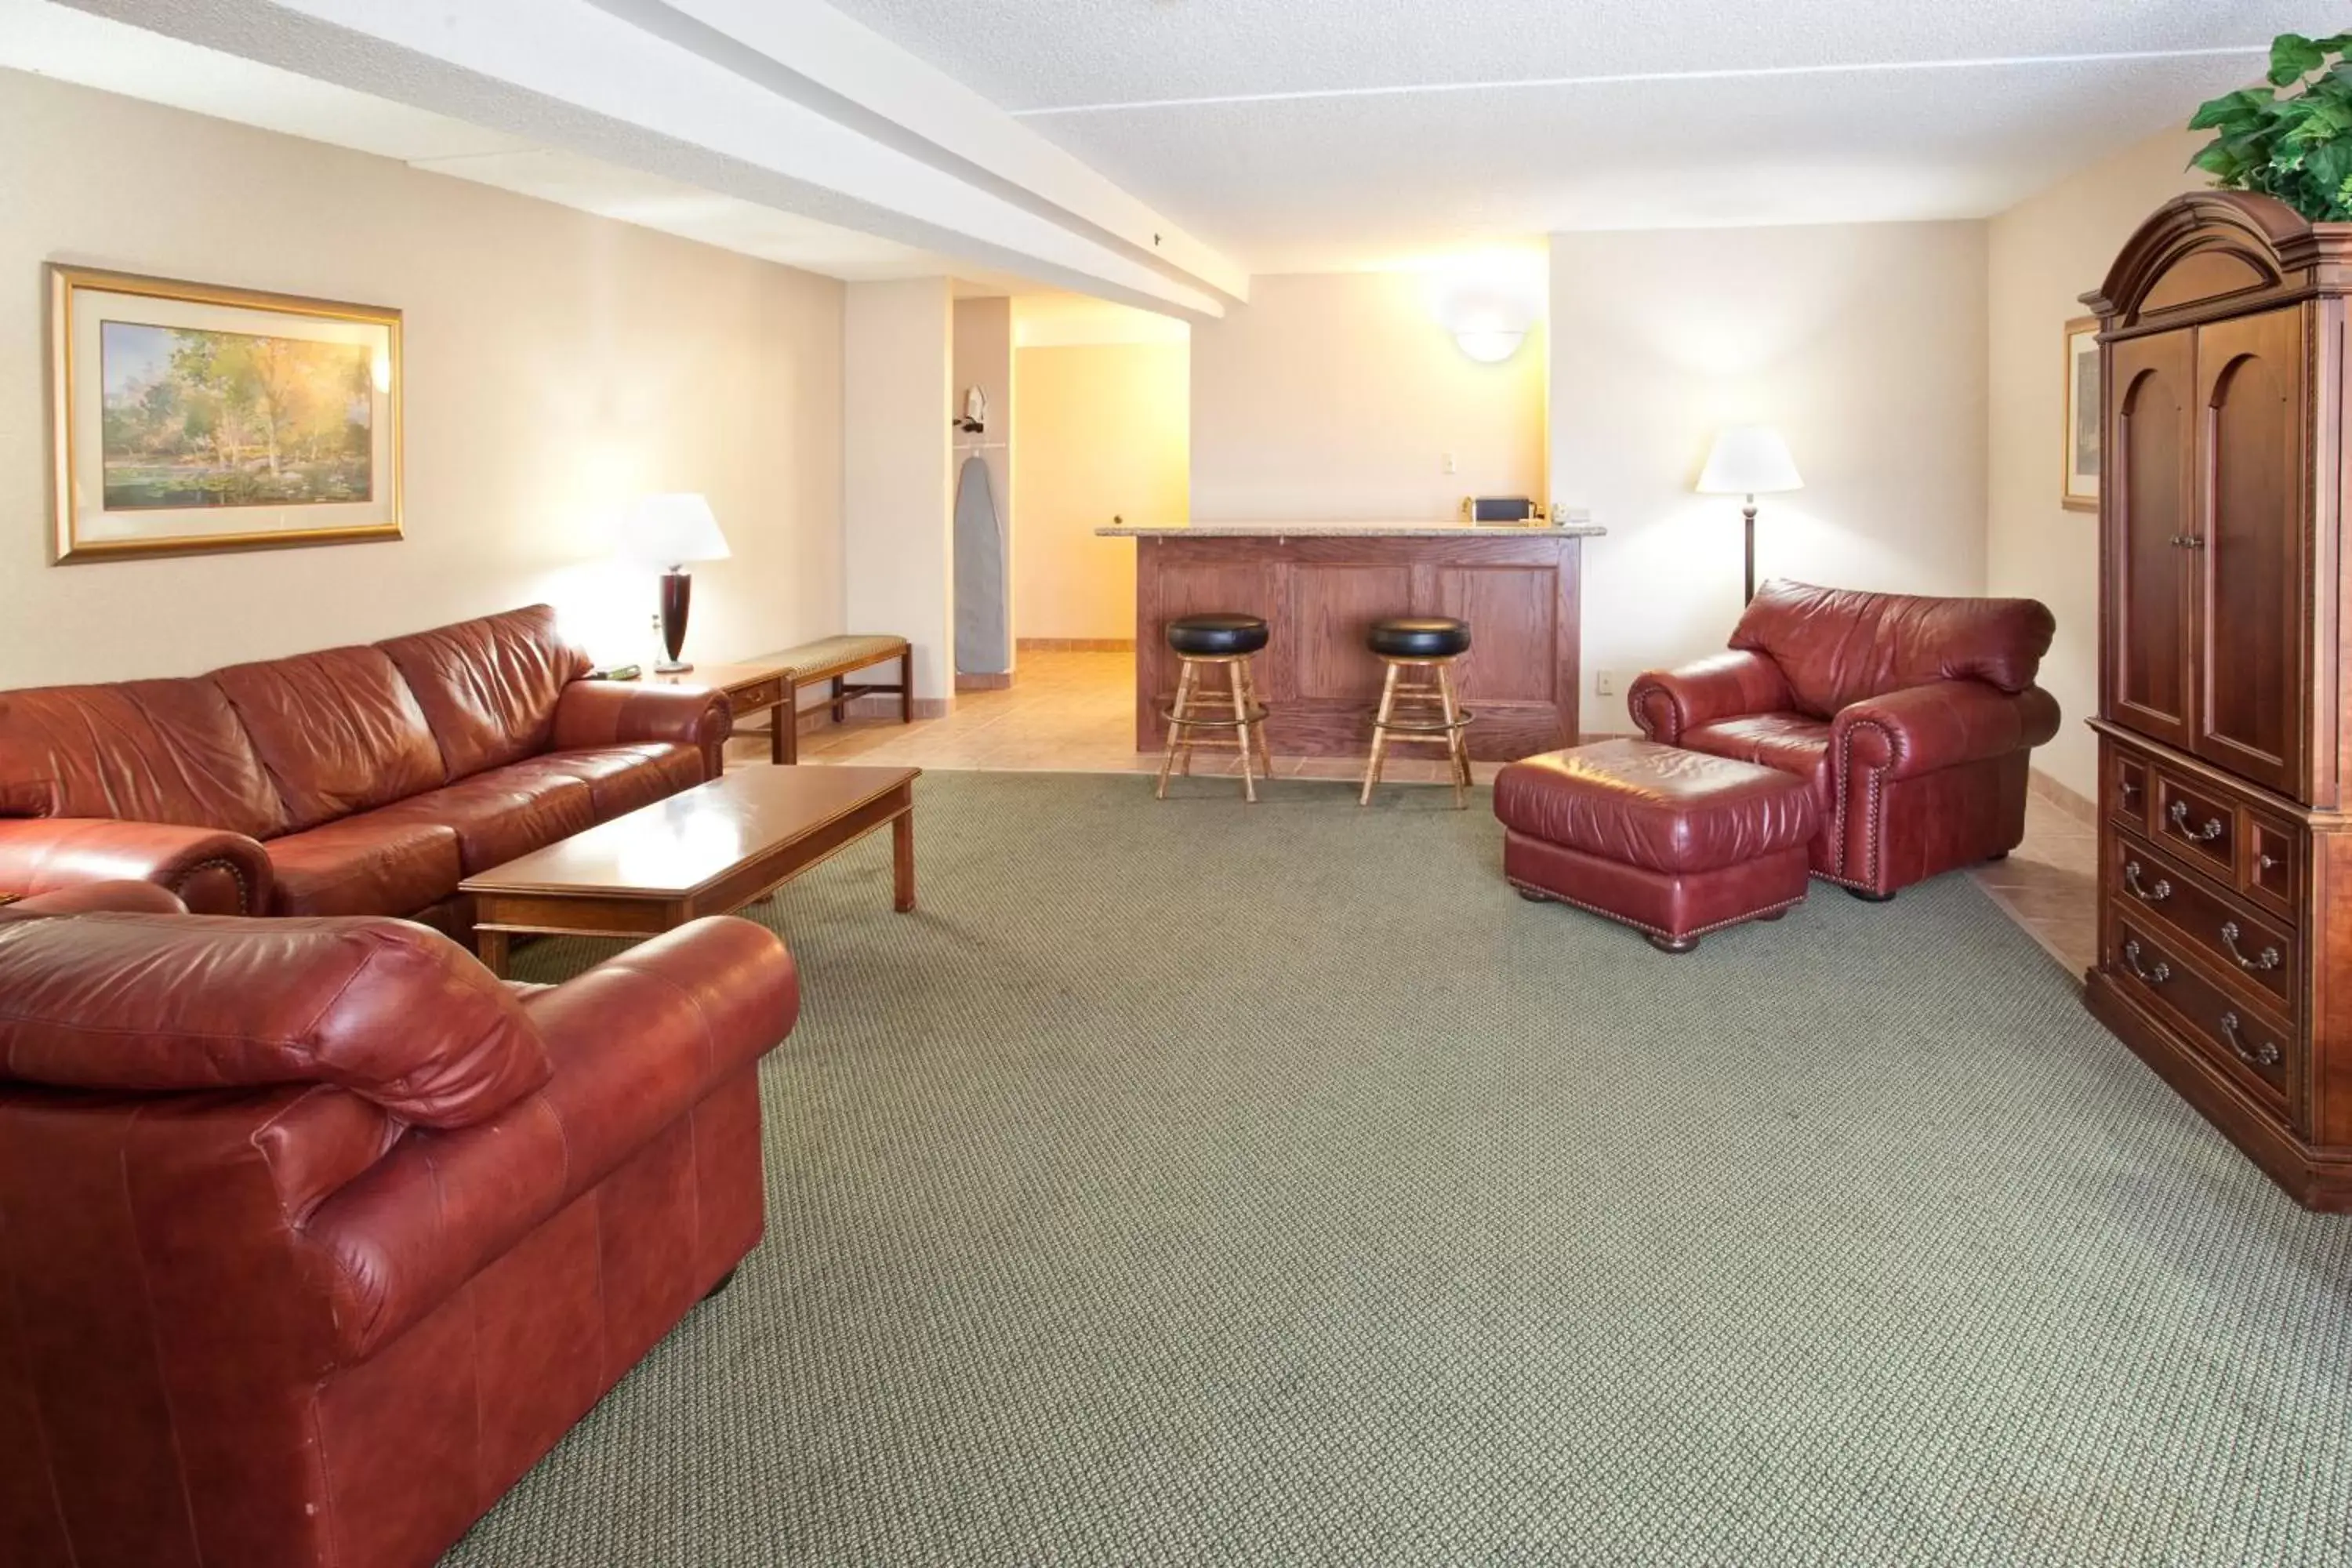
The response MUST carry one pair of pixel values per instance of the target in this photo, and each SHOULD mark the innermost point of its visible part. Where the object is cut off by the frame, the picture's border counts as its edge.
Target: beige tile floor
(1072, 712)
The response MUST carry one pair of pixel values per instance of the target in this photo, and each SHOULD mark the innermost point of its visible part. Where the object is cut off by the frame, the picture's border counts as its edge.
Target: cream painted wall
(557, 365)
(1864, 343)
(897, 362)
(1337, 395)
(1102, 434)
(2043, 254)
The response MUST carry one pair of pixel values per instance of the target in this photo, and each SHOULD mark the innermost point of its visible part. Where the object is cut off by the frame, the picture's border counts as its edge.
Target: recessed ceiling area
(1298, 137)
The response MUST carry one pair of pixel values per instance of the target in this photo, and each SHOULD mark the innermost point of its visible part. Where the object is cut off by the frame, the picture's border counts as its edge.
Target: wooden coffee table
(707, 851)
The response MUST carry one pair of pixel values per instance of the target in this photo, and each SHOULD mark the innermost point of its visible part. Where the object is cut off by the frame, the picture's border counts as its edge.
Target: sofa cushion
(1838, 645)
(338, 730)
(391, 1012)
(143, 751)
(371, 864)
(506, 813)
(488, 687)
(620, 779)
(1790, 742)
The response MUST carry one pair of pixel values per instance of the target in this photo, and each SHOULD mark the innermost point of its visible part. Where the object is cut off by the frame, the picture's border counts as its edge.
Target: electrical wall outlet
(1604, 683)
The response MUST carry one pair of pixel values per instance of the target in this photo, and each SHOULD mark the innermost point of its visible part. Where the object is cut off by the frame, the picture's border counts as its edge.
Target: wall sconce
(1490, 301)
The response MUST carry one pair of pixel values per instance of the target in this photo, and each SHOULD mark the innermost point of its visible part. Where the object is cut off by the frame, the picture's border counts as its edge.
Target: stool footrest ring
(1461, 720)
(1255, 716)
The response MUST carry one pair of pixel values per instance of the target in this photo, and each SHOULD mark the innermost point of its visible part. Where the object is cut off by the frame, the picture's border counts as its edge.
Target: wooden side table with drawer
(750, 689)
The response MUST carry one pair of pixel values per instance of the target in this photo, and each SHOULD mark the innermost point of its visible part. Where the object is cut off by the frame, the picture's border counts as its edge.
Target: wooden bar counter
(1320, 584)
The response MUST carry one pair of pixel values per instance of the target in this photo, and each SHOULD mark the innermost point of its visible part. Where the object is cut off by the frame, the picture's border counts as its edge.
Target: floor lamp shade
(1750, 460)
(667, 531)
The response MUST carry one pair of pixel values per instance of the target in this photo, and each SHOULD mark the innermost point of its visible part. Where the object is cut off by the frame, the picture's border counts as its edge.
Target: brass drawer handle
(2156, 977)
(2206, 834)
(2265, 1055)
(2267, 959)
(2157, 895)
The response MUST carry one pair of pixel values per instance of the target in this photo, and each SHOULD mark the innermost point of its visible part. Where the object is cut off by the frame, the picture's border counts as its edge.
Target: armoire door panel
(2249, 570)
(2151, 515)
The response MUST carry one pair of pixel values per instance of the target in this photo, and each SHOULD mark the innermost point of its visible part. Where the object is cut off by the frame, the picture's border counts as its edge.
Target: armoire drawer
(2128, 790)
(2198, 822)
(2253, 852)
(2246, 1041)
(2258, 951)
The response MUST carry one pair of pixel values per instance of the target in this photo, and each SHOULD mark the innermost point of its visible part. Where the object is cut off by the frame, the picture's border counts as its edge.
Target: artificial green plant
(2295, 146)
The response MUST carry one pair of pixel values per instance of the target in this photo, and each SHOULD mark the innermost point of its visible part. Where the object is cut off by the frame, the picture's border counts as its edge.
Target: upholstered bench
(831, 659)
(1672, 843)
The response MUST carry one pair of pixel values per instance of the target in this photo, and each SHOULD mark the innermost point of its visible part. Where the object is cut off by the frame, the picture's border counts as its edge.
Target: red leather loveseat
(354, 780)
(1913, 719)
(314, 1238)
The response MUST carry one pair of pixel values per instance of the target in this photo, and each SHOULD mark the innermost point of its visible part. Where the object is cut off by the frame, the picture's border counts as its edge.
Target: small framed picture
(2079, 489)
(187, 417)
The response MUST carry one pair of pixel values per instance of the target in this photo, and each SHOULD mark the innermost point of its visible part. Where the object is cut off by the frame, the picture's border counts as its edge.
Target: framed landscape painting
(188, 417)
(2079, 489)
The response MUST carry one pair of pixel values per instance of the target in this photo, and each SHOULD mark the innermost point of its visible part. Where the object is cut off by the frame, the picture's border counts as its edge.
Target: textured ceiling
(1313, 134)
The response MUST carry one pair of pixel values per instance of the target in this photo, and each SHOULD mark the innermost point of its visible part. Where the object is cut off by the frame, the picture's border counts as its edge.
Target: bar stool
(1205, 642)
(1421, 711)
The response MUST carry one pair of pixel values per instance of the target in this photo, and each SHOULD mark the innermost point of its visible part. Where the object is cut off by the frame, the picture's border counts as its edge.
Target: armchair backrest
(173, 1005)
(1836, 647)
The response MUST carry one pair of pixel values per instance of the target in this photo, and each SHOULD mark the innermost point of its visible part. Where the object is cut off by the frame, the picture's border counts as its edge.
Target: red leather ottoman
(1672, 843)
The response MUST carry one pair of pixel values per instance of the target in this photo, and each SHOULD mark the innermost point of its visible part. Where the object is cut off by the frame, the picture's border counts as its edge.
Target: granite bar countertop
(1352, 530)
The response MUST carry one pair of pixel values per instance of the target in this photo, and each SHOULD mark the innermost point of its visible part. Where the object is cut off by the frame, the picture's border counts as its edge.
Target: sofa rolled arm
(1923, 729)
(636, 1044)
(211, 871)
(631, 713)
(1667, 703)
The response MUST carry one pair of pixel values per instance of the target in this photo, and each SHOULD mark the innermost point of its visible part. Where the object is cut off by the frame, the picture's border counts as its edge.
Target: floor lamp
(1750, 460)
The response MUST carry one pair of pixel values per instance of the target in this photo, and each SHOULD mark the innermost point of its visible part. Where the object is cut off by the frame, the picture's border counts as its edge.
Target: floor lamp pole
(1748, 513)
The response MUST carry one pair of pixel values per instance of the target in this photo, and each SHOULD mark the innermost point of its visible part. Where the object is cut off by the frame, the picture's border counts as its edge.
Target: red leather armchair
(1913, 719)
(353, 781)
(314, 1236)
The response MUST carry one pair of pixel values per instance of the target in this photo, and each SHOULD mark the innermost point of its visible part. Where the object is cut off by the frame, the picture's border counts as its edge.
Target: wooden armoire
(2225, 847)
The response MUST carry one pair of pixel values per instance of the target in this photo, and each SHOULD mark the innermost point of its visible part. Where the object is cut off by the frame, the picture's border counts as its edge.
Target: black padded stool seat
(1211, 635)
(1420, 637)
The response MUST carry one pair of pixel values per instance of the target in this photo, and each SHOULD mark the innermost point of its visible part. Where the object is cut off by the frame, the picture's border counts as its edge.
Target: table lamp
(667, 531)
(1750, 460)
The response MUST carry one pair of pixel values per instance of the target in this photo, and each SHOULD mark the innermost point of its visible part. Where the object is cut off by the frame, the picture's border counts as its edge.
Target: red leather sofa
(355, 781)
(1913, 719)
(314, 1238)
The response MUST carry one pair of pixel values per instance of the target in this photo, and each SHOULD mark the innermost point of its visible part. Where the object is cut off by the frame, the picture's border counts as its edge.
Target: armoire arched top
(2214, 253)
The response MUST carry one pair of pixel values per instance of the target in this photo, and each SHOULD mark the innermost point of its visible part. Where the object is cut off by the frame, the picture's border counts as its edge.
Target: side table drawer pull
(2155, 895)
(2156, 977)
(2264, 1055)
(2205, 835)
(2267, 959)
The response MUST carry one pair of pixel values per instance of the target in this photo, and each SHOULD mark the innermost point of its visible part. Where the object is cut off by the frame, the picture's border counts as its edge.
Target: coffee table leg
(902, 860)
(493, 946)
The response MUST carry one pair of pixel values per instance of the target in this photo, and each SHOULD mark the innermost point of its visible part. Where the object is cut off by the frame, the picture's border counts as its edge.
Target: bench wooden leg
(906, 687)
(784, 744)
(840, 702)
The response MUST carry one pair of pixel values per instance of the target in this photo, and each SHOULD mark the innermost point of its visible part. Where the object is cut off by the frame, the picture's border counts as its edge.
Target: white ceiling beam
(573, 75)
(808, 51)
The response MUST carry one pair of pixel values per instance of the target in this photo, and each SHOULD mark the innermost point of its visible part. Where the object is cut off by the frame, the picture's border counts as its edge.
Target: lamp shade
(1748, 461)
(671, 530)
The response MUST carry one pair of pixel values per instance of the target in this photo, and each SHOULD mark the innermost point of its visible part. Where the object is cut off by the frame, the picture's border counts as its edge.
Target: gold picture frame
(188, 418)
(2078, 485)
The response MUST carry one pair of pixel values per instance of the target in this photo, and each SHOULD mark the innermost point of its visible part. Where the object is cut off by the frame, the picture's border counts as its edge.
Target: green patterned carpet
(1191, 1183)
